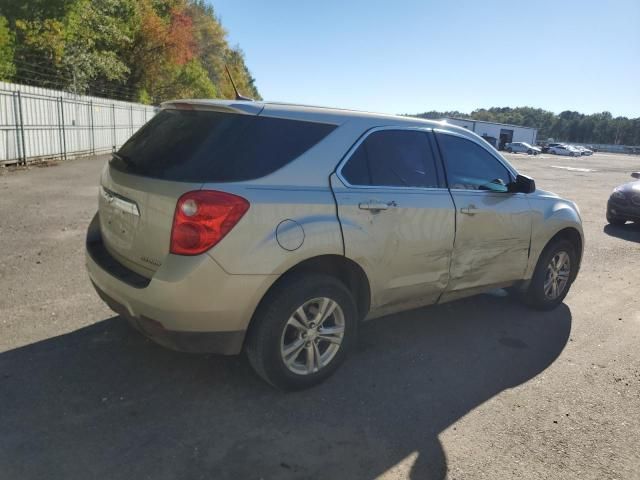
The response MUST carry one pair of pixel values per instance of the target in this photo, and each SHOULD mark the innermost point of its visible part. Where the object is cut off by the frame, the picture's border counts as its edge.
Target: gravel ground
(480, 388)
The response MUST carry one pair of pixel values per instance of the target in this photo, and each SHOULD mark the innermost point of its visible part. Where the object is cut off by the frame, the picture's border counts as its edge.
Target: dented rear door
(397, 217)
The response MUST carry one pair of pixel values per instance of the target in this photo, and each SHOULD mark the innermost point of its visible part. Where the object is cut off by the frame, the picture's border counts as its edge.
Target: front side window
(394, 158)
(471, 167)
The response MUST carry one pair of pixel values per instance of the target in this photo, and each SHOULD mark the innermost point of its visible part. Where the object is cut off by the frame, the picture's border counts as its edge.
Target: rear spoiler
(228, 106)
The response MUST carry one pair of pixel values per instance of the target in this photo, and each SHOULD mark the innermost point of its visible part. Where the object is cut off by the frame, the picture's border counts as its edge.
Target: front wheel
(302, 332)
(553, 276)
(529, 152)
(509, 150)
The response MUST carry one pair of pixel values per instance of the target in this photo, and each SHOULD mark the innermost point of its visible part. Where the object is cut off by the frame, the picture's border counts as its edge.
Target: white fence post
(113, 123)
(64, 132)
(20, 127)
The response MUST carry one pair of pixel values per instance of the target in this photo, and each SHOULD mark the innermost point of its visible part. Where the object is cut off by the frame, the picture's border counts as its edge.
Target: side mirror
(523, 184)
(636, 175)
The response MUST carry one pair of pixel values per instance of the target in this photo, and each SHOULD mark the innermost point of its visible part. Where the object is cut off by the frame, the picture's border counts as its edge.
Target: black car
(624, 203)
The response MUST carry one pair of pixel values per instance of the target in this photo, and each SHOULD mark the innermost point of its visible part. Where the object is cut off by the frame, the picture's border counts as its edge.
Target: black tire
(617, 221)
(534, 296)
(529, 152)
(509, 150)
(266, 331)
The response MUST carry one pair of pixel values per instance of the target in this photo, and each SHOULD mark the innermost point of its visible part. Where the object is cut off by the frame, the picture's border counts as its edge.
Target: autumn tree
(145, 50)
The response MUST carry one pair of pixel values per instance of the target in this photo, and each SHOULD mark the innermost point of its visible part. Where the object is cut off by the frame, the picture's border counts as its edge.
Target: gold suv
(276, 229)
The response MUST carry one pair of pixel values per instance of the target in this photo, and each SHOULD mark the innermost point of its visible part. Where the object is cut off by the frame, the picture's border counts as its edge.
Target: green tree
(94, 35)
(7, 47)
(567, 126)
(145, 50)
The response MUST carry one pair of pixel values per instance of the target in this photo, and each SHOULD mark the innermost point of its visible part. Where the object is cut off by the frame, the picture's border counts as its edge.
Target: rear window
(205, 146)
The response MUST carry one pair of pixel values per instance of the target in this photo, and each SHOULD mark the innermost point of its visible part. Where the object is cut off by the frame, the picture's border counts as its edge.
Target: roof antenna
(238, 96)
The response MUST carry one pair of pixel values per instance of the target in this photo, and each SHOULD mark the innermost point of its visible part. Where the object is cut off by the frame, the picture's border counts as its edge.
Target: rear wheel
(302, 332)
(529, 152)
(553, 276)
(510, 150)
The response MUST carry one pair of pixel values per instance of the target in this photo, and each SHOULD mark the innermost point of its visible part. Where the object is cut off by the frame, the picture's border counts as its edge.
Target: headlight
(619, 194)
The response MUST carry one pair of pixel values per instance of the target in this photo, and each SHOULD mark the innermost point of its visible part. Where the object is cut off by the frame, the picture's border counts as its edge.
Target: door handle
(469, 210)
(376, 206)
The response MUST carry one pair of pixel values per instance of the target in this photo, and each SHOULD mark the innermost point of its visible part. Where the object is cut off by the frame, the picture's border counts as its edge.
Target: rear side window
(205, 146)
(394, 158)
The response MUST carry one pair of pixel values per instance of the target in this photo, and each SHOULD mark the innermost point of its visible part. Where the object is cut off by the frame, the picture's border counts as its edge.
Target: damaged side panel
(405, 249)
(492, 243)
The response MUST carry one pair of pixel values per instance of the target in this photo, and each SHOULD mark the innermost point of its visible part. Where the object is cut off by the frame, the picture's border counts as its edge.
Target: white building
(497, 134)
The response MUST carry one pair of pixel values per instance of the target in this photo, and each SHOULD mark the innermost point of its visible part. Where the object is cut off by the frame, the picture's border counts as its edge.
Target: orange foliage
(180, 39)
(173, 42)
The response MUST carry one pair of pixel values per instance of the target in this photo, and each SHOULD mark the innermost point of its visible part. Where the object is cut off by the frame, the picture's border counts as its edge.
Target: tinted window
(470, 166)
(205, 146)
(396, 158)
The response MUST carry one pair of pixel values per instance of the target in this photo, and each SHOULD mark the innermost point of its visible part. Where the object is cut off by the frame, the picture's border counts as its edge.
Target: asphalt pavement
(479, 388)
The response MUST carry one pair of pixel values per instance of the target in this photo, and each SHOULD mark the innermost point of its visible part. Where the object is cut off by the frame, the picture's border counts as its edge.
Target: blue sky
(413, 56)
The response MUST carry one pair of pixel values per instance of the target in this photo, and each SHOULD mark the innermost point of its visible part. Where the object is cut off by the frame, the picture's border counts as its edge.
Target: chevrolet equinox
(230, 226)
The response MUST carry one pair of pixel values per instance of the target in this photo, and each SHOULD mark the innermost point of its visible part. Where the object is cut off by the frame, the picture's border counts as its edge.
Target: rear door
(397, 216)
(493, 225)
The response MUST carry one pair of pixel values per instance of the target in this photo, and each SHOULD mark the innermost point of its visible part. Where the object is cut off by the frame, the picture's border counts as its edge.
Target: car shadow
(628, 231)
(103, 402)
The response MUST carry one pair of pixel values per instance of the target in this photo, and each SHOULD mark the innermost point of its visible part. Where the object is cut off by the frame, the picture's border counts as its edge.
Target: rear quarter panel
(262, 244)
(299, 192)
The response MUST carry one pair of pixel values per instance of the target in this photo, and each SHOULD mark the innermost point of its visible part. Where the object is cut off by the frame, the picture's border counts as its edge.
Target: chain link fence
(39, 124)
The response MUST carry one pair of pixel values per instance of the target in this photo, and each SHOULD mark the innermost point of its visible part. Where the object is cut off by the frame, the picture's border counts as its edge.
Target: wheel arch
(573, 235)
(342, 268)
(570, 234)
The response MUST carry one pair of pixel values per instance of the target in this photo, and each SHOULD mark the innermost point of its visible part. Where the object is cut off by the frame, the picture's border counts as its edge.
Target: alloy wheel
(312, 336)
(557, 275)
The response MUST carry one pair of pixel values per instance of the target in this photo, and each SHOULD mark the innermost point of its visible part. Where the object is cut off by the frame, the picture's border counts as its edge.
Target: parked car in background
(567, 150)
(624, 202)
(583, 150)
(230, 226)
(522, 147)
(545, 148)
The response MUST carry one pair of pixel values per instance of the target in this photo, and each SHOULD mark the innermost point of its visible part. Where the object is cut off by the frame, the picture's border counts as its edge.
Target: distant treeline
(141, 50)
(567, 126)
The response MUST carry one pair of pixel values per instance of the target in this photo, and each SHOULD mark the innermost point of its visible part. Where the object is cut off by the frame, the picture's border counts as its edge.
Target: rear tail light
(202, 218)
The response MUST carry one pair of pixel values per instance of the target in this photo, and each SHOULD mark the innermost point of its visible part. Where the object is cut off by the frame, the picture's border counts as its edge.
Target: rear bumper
(190, 303)
(224, 343)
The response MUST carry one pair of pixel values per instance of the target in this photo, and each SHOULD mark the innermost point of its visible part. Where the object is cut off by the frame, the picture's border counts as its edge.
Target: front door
(397, 217)
(493, 226)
